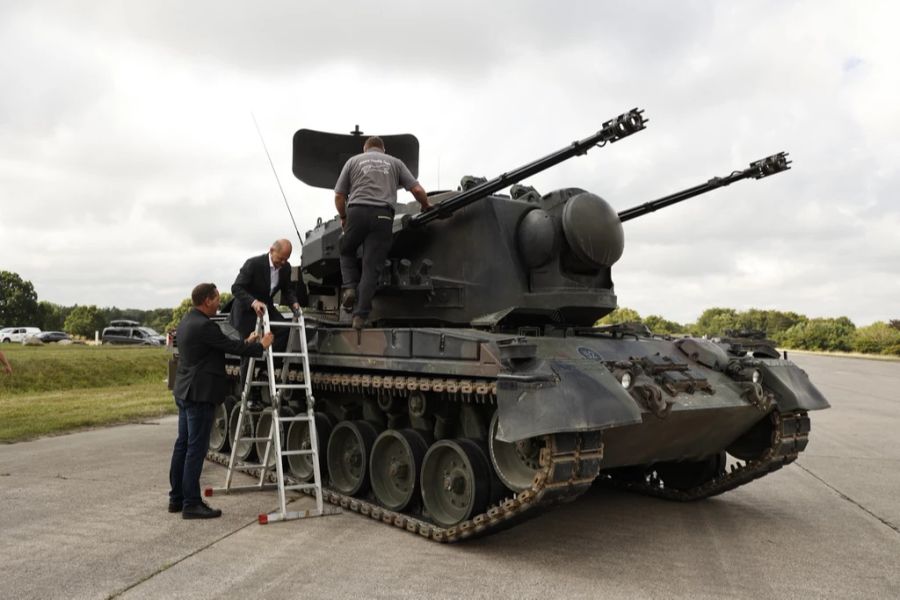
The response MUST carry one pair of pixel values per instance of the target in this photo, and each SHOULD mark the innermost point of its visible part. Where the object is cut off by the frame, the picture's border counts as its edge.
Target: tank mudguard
(561, 395)
(791, 385)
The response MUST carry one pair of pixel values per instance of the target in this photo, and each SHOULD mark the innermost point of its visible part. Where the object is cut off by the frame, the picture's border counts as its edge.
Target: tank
(483, 393)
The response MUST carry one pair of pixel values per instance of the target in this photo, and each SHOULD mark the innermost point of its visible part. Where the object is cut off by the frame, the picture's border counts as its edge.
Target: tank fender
(561, 395)
(791, 385)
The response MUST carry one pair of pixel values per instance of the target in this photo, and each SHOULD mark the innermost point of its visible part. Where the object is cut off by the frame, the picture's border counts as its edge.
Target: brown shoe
(358, 322)
(348, 300)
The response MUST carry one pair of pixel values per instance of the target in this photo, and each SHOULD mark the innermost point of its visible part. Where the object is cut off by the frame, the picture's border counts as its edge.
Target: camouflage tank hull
(454, 433)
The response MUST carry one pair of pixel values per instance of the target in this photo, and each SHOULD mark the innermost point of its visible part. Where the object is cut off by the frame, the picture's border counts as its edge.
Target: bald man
(258, 281)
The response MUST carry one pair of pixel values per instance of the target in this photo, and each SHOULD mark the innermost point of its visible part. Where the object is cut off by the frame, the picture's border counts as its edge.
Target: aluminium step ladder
(273, 441)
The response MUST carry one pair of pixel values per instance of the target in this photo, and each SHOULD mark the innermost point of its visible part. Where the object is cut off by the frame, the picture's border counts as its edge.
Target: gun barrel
(612, 131)
(757, 170)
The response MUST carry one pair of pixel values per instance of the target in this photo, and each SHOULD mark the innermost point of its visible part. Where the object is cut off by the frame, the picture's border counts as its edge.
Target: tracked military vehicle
(483, 393)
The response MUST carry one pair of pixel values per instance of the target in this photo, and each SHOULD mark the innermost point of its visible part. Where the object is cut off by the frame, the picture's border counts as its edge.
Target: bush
(714, 321)
(657, 324)
(620, 315)
(877, 338)
(821, 334)
(84, 321)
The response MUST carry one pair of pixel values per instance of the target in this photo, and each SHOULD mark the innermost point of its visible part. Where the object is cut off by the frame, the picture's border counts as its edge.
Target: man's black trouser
(194, 426)
(369, 226)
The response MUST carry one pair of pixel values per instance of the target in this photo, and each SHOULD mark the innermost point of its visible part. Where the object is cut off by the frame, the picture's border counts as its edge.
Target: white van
(17, 334)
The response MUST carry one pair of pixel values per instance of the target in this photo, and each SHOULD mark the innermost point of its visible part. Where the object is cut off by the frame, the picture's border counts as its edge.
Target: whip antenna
(274, 172)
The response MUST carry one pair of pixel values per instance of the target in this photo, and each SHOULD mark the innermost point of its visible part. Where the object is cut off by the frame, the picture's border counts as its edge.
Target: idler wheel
(218, 436)
(244, 449)
(349, 447)
(456, 481)
(515, 463)
(395, 465)
(301, 465)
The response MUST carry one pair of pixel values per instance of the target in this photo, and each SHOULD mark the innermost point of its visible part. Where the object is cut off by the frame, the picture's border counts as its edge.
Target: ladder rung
(251, 439)
(259, 383)
(290, 386)
(292, 419)
(288, 354)
(285, 324)
(298, 452)
(249, 467)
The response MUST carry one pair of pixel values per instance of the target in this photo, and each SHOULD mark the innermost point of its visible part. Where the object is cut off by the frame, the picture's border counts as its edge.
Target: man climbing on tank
(258, 281)
(365, 197)
(199, 385)
(254, 289)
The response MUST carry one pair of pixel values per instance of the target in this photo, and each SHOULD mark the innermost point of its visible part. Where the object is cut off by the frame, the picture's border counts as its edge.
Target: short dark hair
(373, 142)
(203, 292)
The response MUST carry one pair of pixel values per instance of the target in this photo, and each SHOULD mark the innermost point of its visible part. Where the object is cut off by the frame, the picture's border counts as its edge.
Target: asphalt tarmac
(84, 516)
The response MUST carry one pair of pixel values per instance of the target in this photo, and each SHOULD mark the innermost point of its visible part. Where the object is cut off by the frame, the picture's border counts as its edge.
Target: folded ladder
(273, 441)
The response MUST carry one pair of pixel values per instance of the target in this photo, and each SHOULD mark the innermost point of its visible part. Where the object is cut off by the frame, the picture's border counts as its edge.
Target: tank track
(790, 435)
(569, 462)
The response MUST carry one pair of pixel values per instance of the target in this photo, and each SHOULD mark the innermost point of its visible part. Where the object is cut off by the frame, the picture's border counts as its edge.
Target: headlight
(756, 377)
(626, 380)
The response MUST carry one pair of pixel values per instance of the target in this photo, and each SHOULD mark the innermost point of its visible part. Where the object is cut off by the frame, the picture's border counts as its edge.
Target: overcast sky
(130, 168)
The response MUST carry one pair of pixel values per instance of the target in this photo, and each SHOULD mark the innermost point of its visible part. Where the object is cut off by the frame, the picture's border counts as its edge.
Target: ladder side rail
(270, 370)
(310, 412)
(238, 432)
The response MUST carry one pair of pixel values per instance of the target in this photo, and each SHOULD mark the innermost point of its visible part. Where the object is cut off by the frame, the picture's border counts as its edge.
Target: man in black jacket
(257, 283)
(199, 385)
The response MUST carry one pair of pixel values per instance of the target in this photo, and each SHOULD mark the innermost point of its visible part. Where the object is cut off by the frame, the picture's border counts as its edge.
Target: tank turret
(522, 261)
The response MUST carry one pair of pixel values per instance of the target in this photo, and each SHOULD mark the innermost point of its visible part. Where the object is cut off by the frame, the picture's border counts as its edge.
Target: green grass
(55, 389)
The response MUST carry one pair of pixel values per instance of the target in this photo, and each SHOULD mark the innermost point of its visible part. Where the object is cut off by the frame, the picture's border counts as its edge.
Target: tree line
(19, 305)
(787, 329)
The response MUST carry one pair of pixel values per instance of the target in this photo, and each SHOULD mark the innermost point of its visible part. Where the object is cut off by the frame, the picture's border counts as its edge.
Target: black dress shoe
(200, 511)
(174, 507)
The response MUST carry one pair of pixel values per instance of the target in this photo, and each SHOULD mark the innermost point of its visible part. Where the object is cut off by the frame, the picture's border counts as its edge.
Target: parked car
(134, 336)
(17, 334)
(52, 336)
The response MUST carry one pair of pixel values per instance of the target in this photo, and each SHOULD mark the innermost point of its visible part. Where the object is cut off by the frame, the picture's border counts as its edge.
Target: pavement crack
(168, 566)
(883, 521)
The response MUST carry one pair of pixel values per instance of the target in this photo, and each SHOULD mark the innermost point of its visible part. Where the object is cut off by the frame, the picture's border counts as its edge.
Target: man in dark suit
(258, 281)
(199, 385)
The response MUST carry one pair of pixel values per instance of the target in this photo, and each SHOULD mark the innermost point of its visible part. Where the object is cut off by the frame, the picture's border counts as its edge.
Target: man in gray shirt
(370, 181)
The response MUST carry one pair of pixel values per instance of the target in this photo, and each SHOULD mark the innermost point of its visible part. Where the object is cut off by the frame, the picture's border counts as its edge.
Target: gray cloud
(130, 169)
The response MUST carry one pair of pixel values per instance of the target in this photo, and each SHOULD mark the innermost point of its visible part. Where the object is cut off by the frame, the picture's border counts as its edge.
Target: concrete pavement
(84, 517)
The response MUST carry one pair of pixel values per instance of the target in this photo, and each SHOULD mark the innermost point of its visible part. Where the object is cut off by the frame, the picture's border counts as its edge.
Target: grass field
(54, 389)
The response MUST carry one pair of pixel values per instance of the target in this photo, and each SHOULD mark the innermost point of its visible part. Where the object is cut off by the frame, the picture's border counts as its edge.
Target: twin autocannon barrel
(612, 131)
(757, 170)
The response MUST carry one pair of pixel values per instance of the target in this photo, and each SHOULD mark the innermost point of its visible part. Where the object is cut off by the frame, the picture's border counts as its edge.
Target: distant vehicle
(53, 336)
(133, 336)
(17, 334)
(123, 323)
